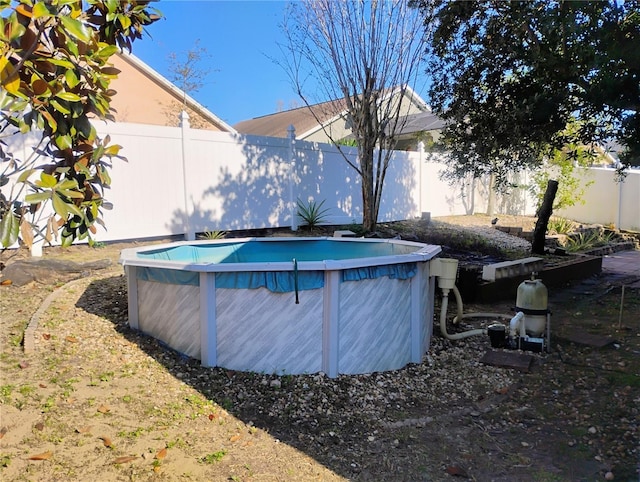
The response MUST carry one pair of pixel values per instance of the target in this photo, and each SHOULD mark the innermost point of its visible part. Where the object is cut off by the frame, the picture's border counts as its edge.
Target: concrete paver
(622, 268)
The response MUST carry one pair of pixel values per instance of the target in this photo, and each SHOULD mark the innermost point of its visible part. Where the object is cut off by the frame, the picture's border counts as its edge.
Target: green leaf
(67, 184)
(60, 107)
(71, 78)
(67, 64)
(76, 28)
(92, 212)
(37, 197)
(64, 142)
(46, 181)
(76, 109)
(85, 128)
(112, 5)
(103, 174)
(124, 21)
(60, 207)
(107, 50)
(98, 152)
(24, 127)
(16, 29)
(67, 238)
(70, 193)
(9, 229)
(69, 96)
(26, 174)
(40, 10)
(112, 150)
(9, 77)
(72, 47)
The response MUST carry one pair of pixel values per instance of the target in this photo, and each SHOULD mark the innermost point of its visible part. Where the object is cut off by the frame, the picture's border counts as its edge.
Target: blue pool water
(281, 251)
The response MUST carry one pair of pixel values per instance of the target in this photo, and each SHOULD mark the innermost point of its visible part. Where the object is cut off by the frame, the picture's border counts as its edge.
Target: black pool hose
(295, 279)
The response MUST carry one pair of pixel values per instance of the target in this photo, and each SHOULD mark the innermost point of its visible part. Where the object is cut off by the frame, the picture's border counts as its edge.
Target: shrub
(559, 225)
(586, 241)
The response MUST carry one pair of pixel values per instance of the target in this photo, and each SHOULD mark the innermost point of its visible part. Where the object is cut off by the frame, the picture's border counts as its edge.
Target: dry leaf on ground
(125, 459)
(43, 456)
(106, 441)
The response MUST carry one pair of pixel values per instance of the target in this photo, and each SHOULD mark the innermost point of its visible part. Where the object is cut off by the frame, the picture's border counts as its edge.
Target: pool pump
(534, 324)
(528, 330)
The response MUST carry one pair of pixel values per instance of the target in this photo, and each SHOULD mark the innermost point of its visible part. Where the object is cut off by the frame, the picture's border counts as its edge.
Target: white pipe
(443, 322)
(460, 313)
(515, 323)
(445, 270)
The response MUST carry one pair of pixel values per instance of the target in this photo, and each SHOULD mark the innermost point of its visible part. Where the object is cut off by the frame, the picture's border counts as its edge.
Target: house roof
(301, 118)
(175, 91)
(423, 121)
(309, 119)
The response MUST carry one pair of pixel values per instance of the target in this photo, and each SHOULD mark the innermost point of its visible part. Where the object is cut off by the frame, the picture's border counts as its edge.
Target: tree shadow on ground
(256, 399)
(342, 431)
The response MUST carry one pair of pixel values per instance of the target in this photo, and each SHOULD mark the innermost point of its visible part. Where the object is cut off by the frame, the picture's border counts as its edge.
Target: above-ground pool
(286, 305)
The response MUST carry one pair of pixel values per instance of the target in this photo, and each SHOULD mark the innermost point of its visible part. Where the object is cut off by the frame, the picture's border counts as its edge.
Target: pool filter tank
(532, 300)
(527, 328)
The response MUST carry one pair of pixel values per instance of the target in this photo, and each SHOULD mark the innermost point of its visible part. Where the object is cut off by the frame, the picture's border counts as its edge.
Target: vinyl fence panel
(181, 181)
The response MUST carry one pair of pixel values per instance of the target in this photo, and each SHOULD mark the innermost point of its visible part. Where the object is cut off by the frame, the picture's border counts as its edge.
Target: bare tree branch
(364, 54)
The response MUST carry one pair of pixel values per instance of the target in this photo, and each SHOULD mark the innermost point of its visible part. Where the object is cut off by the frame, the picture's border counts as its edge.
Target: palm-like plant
(312, 213)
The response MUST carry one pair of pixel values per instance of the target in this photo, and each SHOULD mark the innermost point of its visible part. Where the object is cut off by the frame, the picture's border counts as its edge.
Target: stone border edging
(28, 338)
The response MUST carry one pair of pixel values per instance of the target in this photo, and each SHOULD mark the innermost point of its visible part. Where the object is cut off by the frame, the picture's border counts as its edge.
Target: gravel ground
(98, 400)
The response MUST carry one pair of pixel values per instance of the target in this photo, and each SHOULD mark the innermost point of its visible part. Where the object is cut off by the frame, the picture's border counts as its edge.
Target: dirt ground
(92, 399)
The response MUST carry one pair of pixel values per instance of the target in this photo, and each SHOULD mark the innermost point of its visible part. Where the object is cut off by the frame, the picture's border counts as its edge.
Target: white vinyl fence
(187, 181)
(608, 201)
(235, 182)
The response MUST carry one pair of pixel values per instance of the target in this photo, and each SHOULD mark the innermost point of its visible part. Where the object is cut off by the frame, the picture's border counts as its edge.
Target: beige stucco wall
(140, 99)
(340, 127)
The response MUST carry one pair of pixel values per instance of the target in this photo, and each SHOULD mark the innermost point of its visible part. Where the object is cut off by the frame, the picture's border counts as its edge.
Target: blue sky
(240, 37)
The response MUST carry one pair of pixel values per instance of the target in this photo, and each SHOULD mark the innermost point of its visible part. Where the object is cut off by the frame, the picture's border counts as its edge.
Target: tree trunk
(491, 203)
(369, 217)
(544, 213)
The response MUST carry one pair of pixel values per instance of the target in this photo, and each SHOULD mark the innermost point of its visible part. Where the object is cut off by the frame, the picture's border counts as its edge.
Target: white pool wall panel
(374, 326)
(345, 327)
(171, 313)
(261, 331)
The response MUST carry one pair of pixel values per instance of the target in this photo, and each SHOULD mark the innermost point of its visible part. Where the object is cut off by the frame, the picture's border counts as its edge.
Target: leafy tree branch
(55, 76)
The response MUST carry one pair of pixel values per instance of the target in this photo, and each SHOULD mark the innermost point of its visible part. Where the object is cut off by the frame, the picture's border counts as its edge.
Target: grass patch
(620, 379)
(5, 393)
(213, 457)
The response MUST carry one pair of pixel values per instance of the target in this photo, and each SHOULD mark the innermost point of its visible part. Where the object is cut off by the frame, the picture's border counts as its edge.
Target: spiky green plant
(558, 225)
(586, 241)
(312, 213)
(211, 235)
